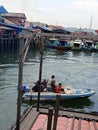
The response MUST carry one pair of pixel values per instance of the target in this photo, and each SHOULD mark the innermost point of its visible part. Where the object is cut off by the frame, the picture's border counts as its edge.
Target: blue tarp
(17, 28)
(43, 28)
(3, 10)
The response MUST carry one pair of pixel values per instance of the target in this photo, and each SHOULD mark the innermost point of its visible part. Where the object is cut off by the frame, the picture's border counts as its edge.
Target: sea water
(78, 69)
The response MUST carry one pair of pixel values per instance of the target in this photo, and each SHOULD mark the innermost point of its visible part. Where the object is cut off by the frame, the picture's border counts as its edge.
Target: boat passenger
(44, 85)
(35, 88)
(51, 84)
(58, 88)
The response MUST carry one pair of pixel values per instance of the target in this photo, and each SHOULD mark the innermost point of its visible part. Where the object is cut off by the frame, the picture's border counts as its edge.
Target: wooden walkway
(65, 123)
(67, 120)
(71, 36)
(58, 35)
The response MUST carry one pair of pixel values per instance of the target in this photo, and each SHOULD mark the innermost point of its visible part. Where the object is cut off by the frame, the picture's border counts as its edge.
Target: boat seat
(68, 90)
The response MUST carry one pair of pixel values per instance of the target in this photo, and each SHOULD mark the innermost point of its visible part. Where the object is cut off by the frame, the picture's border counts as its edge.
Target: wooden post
(56, 112)
(41, 48)
(50, 114)
(39, 86)
(23, 48)
(19, 85)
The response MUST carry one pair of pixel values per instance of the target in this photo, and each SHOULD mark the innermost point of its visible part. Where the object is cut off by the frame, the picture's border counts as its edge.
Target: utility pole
(91, 23)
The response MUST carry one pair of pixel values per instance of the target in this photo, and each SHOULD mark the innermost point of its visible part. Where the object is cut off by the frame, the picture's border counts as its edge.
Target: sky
(67, 13)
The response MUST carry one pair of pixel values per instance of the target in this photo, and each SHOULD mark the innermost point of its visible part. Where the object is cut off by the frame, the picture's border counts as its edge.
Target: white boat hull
(78, 93)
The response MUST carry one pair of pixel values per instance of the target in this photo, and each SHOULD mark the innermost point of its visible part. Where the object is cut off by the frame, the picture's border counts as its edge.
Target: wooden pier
(71, 36)
(9, 45)
(66, 120)
(12, 44)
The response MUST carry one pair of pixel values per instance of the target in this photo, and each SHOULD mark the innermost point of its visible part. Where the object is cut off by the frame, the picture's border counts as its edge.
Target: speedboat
(67, 93)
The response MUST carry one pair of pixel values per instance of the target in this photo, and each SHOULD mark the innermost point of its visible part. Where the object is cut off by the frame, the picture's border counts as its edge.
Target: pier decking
(67, 120)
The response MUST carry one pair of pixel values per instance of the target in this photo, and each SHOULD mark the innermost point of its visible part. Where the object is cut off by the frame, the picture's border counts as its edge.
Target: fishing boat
(52, 43)
(63, 45)
(96, 47)
(89, 45)
(77, 45)
(67, 93)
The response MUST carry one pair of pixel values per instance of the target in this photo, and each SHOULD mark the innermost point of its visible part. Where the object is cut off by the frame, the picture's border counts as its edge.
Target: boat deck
(67, 120)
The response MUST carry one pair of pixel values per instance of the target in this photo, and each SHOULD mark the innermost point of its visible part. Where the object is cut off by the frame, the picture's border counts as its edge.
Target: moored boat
(63, 45)
(96, 47)
(77, 45)
(52, 43)
(89, 45)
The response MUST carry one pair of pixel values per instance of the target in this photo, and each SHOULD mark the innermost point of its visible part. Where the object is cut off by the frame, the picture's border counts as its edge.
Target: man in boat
(35, 88)
(44, 85)
(51, 84)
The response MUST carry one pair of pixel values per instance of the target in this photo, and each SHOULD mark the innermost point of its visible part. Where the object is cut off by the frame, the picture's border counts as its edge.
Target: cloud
(66, 12)
(85, 4)
(46, 9)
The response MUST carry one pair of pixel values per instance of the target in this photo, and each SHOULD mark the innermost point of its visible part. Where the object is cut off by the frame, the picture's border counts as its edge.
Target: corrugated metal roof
(8, 21)
(35, 24)
(59, 27)
(19, 15)
(45, 28)
(3, 10)
(6, 28)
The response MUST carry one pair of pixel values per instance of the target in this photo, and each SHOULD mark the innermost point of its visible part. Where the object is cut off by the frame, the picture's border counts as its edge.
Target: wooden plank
(56, 112)
(72, 126)
(94, 124)
(79, 115)
(49, 124)
(31, 114)
(76, 114)
(79, 124)
(27, 123)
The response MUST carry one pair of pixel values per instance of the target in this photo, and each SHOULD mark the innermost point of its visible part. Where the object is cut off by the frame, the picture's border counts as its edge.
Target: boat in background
(63, 45)
(52, 43)
(96, 47)
(89, 45)
(77, 45)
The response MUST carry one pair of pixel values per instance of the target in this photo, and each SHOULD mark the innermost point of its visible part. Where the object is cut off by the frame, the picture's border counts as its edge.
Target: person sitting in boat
(51, 84)
(44, 85)
(35, 88)
(58, 88)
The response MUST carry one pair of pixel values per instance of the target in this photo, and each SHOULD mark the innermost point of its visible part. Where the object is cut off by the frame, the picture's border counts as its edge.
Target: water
(70, 68)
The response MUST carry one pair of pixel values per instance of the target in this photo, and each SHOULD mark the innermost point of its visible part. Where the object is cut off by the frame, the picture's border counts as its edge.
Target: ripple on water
(77, 69)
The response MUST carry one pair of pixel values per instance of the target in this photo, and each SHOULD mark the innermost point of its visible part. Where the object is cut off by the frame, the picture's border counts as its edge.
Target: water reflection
(81, 104)
(77, 103)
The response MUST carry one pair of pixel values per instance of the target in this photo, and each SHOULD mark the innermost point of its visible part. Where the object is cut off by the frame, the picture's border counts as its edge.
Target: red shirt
(58, 89)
